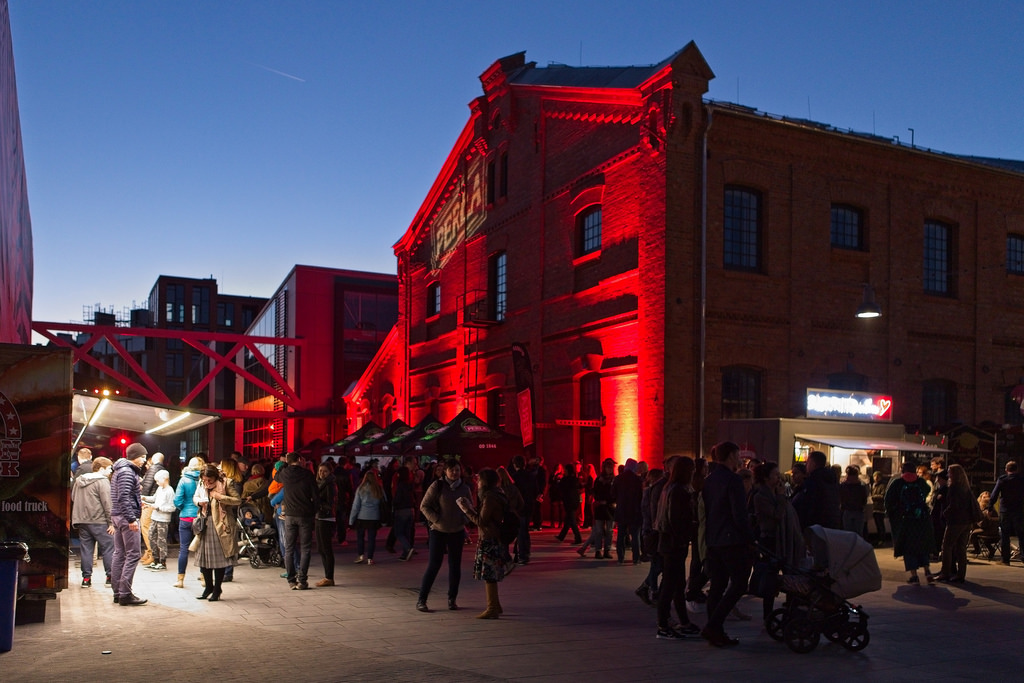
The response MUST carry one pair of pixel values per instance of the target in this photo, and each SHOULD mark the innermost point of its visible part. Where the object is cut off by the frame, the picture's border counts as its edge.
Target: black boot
(207, 584)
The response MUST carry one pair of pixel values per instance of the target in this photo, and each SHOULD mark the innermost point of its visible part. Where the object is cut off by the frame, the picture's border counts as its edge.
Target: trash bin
(11, 553)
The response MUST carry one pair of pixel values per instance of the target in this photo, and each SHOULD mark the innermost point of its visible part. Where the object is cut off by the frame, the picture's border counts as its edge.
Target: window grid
(741, 393)
(937, 258)
(847, 232)
(742, 229)
(590, 232)
(590, 397)
(938, 403)
(1015, 254)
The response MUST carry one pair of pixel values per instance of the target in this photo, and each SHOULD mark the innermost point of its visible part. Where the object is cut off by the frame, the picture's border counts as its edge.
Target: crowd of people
(700, 524)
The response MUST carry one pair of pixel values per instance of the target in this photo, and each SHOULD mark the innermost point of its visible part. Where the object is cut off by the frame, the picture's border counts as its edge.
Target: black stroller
(259, 539)
(844, 566)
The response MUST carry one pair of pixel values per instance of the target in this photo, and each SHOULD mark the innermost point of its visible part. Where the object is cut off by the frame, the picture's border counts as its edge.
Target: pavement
(566, 619)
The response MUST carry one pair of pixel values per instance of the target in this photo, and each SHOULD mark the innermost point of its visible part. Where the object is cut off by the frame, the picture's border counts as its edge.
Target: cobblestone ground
(566, 619)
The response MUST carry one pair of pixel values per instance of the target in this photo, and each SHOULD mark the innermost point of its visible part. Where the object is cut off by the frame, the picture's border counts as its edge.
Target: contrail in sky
(279, 73)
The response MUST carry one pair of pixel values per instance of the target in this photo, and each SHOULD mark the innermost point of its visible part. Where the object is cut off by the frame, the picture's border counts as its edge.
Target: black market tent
(367, 430)
(365, 446)
(471, 440)
(391, 444)
(425, 427)
(383, 444)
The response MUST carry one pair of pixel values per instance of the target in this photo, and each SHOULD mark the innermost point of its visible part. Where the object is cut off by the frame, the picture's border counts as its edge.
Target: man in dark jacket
(125, 515)
(819, 501)
(526, 482)
(729, 540)
(627, 492)
(301, 501)
(1009, 493)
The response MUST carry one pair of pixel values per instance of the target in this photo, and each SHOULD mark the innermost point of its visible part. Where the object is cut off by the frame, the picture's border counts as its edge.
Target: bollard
(11, 553)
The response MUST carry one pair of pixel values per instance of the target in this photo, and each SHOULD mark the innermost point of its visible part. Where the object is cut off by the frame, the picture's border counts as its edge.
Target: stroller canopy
(849, 558)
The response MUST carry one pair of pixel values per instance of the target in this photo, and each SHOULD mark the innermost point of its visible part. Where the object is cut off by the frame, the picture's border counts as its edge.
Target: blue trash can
(11, 553)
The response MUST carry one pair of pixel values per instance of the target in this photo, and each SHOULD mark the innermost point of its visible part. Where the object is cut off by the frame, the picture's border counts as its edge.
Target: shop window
(847, 227)
(433, 299)
(588, 231)
(742, 229)
(938, 404)
(741, 393)
(1015, 254)
(497, 286)
(939, 276)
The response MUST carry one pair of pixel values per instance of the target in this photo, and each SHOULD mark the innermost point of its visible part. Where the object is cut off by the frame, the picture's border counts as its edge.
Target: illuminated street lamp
(868, 308)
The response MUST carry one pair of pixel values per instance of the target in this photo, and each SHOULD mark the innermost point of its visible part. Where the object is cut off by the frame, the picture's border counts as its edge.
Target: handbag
(199, 525)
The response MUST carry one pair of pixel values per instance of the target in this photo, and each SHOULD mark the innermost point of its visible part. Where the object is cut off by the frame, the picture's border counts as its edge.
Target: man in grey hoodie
(90, 514)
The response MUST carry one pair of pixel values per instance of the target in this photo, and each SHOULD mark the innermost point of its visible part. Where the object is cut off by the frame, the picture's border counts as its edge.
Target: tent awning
(869, 444)
(136, 415)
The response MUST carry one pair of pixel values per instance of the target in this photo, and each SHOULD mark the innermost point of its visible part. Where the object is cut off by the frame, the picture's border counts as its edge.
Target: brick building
(343, 317)
(668, 262)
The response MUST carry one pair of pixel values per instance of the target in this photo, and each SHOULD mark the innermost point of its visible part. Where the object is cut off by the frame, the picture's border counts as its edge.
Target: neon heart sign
(848, 405)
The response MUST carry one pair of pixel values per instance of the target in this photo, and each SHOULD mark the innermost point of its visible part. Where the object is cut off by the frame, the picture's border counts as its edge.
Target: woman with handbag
(216, 532)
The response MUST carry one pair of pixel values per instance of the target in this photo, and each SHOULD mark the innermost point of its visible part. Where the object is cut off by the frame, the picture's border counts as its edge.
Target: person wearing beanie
(126, 514)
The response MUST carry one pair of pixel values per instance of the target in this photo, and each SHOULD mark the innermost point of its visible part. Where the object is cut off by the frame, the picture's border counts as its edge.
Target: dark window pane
(589, 230)
(847, 230)
(741, 393)
(938, 258)
(742, 229)
(1015, 254)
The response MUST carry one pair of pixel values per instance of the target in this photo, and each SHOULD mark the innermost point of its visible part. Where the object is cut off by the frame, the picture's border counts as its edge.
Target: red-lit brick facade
(621, 328)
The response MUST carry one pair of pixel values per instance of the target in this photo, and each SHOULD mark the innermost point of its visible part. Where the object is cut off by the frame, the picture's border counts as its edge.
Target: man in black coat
(301, 500)
(526, 482)
(818, 503)
(729, 540)
(628, 492)
(1009, 493)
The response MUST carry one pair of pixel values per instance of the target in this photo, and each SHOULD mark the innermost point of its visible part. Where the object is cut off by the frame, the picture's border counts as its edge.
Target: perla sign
(848, 405)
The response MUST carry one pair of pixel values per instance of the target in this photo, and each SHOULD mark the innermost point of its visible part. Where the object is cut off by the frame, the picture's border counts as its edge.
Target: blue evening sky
(238, 138)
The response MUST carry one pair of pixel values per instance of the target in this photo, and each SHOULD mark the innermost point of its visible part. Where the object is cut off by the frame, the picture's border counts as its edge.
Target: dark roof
(1006, 164)
(563, 76)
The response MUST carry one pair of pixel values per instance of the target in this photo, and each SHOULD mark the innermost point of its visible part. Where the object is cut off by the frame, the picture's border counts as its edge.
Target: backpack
(508, 530)
(912, 501)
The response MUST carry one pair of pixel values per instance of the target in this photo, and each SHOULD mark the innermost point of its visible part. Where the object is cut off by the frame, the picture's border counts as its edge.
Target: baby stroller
(844, 566)
(259, 539)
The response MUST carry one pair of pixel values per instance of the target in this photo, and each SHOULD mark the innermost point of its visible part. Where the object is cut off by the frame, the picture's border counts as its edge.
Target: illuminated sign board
(828, 404)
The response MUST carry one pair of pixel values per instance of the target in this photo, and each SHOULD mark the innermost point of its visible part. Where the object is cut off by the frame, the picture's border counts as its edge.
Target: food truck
(44, 420)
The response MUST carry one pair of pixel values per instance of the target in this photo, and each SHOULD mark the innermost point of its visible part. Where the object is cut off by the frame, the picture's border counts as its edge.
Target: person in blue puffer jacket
(187, 511)
(365, 515)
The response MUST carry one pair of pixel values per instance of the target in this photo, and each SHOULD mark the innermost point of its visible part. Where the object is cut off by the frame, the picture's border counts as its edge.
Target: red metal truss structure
(202, 341)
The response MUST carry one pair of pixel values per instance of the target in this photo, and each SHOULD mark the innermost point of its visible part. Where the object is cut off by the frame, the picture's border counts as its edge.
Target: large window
(433, 299)
(742, 229)
(847, 227)
(174, 299)
(741, 393)
(497, 286)
(588, 231)
(225, 314)
(938, 404)
(1015, 254)
(201, 305)
(938, 259)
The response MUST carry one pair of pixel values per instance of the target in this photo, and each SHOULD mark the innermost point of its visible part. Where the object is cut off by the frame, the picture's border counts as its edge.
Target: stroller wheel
(274, 558)
(775, 623)
(856, 637)
(801, 635)
(254, 561)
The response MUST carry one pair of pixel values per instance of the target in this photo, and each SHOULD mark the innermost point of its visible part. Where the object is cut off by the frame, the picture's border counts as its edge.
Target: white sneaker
(360, 559)
(696, 607)
(369, 561)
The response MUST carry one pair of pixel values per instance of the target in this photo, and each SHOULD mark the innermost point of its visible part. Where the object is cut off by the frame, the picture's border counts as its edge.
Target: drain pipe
(701, 381)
